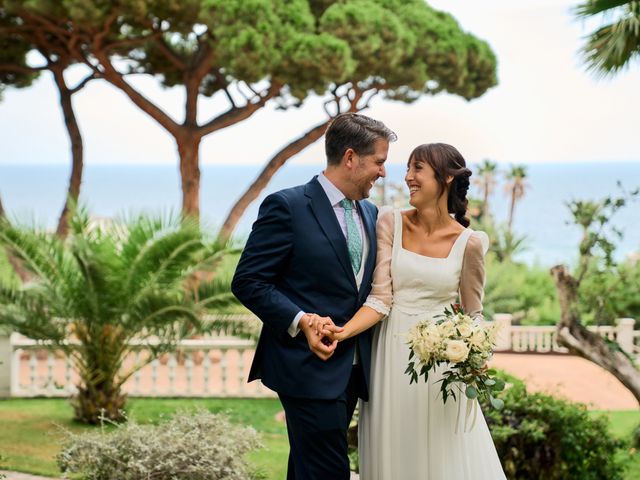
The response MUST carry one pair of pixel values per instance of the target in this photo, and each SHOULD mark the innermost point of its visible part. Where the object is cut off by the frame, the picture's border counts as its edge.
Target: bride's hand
(324, 326)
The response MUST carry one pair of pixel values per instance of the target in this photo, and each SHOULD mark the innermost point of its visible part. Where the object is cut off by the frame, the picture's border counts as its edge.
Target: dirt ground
(567, 377)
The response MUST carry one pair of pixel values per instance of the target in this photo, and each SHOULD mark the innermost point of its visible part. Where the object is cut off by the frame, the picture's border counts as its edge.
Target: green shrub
(540, 437)
(608, 295)
(188, 447)
(635, 438)
(528, 292)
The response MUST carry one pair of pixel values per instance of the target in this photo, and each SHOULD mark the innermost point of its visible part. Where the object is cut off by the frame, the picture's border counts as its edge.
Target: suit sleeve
(261, 263)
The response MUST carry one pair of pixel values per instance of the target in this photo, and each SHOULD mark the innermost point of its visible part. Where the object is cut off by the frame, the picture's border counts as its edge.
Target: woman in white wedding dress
(427, 259)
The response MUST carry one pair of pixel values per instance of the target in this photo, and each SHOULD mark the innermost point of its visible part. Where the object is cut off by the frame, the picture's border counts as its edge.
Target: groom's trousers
(317, 432)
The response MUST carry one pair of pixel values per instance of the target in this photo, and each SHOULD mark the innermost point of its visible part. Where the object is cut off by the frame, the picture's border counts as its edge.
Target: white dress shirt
(335, 196)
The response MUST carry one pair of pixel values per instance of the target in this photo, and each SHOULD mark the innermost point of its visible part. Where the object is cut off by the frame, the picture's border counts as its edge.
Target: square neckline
(453, 245)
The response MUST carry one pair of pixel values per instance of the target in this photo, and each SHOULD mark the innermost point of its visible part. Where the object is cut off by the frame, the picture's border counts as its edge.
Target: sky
(546, 107)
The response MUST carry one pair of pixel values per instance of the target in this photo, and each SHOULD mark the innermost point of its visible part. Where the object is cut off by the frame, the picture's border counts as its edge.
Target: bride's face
(422, 183)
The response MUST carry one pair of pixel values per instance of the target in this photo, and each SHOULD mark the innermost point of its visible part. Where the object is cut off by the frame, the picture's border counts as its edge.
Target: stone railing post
(6, 355)
(503, 341)
(624, 334)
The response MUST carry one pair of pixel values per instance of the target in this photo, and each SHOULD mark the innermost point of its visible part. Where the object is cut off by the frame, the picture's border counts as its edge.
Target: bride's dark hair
(446, 161)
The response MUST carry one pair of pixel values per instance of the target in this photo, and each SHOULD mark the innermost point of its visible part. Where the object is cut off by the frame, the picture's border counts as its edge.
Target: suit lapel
(326, 217)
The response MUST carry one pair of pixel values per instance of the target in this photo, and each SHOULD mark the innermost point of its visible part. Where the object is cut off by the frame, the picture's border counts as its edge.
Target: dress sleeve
(381, 295)
(472, 276)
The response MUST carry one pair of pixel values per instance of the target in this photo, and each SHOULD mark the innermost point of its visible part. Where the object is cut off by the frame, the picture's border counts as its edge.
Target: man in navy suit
(311, 251)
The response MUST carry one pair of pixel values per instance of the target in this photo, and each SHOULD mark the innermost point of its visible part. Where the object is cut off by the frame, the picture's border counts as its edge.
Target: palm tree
(611, 47)
(516, 188)
(106, 287)
(486, 183)
(507, 244)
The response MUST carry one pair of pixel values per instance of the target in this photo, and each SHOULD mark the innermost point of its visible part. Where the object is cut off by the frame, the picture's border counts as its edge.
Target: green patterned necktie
(354, 240)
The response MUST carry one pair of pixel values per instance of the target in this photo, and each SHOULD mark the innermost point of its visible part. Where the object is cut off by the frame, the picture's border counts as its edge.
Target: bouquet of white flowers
(454, 339)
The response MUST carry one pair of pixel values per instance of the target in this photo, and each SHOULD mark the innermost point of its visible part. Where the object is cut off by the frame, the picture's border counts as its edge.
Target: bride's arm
(364, 318)
(378, 303)
(472, 276)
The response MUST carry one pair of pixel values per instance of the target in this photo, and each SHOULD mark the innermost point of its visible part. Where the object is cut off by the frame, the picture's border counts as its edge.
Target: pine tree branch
(116, 78)
(238, 114)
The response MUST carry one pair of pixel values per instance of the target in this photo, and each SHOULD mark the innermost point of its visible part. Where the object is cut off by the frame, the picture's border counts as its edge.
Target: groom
(312, 250)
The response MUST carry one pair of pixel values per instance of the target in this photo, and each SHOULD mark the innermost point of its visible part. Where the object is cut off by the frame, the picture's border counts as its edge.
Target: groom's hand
(318, 344)
(324, 326)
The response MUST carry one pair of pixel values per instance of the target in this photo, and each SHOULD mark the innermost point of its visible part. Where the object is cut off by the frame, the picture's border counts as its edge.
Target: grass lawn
(29, 439)
(622, 423)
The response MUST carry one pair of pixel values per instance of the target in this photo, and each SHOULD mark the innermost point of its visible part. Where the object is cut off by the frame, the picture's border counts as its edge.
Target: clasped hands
(322, 334)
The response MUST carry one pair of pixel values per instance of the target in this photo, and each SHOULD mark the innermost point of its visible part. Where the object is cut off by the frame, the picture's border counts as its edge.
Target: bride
(427, 259)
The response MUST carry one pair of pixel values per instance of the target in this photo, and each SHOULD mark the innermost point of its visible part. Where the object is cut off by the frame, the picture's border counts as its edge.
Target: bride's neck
(431, 218)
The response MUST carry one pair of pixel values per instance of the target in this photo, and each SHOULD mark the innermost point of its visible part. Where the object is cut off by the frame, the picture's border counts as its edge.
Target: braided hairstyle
(446, 161)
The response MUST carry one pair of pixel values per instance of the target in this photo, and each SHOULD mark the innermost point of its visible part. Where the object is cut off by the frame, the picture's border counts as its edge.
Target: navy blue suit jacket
(295, 259)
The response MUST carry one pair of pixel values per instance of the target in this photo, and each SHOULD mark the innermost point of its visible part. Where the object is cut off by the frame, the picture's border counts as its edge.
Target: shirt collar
(333, 193)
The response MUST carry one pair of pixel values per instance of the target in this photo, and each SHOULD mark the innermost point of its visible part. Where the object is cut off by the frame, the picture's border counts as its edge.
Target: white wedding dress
(406, 432)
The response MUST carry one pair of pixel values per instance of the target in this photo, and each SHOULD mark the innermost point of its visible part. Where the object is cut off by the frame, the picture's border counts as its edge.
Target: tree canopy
(250, 52)
(402, 51)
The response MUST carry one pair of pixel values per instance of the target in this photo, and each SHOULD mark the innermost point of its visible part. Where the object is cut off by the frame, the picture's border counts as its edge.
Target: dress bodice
(422, 283)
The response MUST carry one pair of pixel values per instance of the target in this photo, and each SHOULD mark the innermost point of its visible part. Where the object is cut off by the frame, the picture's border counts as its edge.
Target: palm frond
(159, 254)
(40, 253)
(595, 7)
(234, 325)
(611, 47)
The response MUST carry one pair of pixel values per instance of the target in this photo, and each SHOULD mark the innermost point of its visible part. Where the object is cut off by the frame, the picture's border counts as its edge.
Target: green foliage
(504, 243)
(606, 295)
(104, 286)
(189, 446)
(611, 47)
(13, 53)
(528, 292)
(246, 36)
(377, 38)
(606, 289)
(538, 436)
(635, 438)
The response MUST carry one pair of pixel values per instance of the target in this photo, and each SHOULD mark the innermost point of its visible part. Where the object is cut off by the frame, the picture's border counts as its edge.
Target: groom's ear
(349, 157)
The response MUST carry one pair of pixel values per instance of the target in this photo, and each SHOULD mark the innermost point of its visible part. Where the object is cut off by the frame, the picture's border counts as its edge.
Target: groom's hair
(355, 131)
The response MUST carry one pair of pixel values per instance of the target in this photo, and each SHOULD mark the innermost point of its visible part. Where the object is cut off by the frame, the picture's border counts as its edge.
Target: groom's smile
(369, 169)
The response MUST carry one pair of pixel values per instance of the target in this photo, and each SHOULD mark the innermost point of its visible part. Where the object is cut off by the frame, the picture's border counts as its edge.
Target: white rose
(456, 351)
(432, 333)
(422, 352)
(477, 338)
(446, 328)
(465, 330)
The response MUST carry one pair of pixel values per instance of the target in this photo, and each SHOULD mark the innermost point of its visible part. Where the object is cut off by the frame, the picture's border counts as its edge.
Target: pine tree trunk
(584, 343)
(188, 149)
(75, 138)
(265, 176)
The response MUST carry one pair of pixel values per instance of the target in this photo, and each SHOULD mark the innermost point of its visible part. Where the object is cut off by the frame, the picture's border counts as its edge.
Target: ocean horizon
(35, 193)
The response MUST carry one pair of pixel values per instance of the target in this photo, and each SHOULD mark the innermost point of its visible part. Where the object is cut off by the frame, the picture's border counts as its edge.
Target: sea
(35, 194)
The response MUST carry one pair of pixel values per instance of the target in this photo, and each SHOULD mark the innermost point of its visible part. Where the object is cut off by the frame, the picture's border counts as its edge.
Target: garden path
(569, 377)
